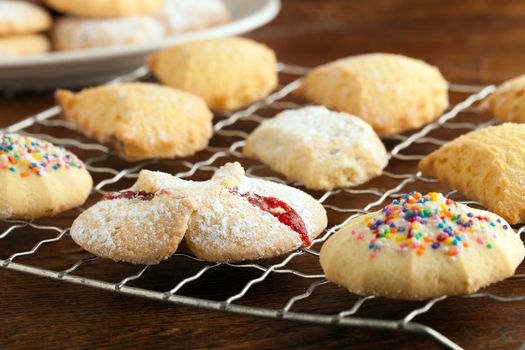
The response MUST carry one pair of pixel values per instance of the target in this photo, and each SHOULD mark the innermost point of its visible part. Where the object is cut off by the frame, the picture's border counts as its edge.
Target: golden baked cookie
(392, 93)
(180, 16)
(507, 103)
(106, 8)
(321, 148)
(239, 218)
(38, 178)
(488, 165)
(70, 33)
(140, 120)
(136, 227)
(422, 247)
(228, 73)
(22, 17)
(23, 45)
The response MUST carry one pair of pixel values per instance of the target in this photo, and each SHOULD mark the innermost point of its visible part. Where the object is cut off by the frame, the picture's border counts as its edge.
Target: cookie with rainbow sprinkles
(38, 178)
(420, 247)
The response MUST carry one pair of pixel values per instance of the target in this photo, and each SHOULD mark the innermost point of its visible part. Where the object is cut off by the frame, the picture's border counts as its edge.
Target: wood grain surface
(471, 41)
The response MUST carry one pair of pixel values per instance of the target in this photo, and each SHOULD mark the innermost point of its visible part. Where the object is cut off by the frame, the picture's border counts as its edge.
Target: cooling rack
(291, 287)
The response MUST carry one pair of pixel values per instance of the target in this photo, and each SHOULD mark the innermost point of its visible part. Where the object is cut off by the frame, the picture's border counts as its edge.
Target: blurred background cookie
(106, 8)
(22, 17)
(23, 45)
(507, 103)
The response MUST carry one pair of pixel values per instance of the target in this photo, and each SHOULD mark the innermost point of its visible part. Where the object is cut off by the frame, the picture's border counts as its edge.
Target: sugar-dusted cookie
(228, 73)
(136, 227)
(141, 120)
(22, 17)
(488, 165)
(421, 247)
(106, 8)
(507, 103)
(321, 148)
(38, 178)
(70, 33)
(23, 45)
(180, 16)
(239, 218)
(393, 93)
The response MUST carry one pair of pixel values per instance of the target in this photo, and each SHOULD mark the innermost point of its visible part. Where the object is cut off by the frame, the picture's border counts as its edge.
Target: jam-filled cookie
(22, 17)
(38, 178)
(321, 148)
(106, 8)
(421, 247)
(140, 120)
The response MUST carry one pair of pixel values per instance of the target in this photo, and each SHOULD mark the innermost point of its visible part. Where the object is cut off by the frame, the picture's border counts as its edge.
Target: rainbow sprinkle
(431, 222)
(27, 155)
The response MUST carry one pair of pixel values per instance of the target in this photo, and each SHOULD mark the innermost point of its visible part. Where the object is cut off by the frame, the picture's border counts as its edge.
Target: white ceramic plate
(94, 66)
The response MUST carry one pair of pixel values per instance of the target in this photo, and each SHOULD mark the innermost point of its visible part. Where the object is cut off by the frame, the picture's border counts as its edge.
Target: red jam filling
(142, 195)
(279, 209)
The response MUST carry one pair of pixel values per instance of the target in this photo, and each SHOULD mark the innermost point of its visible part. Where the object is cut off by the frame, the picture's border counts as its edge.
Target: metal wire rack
(43, 248)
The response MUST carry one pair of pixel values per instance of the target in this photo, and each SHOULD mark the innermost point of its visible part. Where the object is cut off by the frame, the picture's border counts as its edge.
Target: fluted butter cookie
(321, 148)
(23, 45)
(487, 165)
(106, 8)
(22, 17)
(228, 73)
(38, 178)
(392, 93)
(239, 218)
(140, 120)
(180, 16)
(134, 226)
(421, 247)
(507, 103)
(70, 33)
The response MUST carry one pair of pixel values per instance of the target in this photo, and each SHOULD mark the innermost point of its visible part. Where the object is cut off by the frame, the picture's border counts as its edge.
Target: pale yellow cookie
(228, 73)
(422, 247)
(136, 227)
(180, 16)
(71, 33)
(239, 218)
(22, 17)
(140, 120)
(392, 93)
(321, 148)
(507, 103)
(488, 165)
(38, 178)
(106, 8)
(23, 45)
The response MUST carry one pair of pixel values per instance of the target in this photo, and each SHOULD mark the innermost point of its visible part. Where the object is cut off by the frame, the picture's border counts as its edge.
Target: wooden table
(471, 41)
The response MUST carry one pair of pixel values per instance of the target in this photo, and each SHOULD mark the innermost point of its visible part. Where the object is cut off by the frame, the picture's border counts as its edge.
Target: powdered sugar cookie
(38, 178)
(106, 8)
(179, 16)
(23, 45)
(239, 218)
(321, 148)
(421, 247)
(507, 103)
(22, 17)
(136, 227)
(141, 120)
(488, 165)
(228, 73)
(71, 33)
(392, 93)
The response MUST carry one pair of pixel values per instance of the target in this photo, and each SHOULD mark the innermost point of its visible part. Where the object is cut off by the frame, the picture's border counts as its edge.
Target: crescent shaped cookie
(22, 17)
(422, 247)
(392, 93)
(228, 73)
(106, 8)
(38, 178)
(140, 120)
(487, 165)
(321, 148)
(239, 218)
(507, 103)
